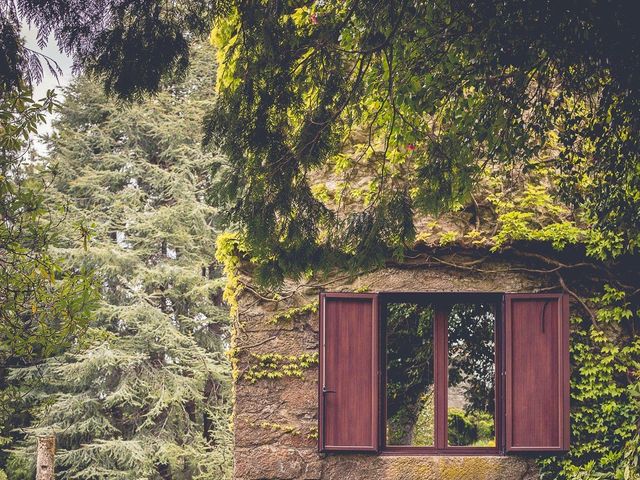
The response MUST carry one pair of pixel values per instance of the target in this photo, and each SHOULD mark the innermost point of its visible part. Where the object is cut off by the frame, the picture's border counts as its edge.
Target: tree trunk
(210, 390)
(45, 462)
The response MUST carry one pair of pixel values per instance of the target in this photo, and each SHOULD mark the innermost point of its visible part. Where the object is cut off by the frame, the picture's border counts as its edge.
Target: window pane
(410, 392)
(471, 393)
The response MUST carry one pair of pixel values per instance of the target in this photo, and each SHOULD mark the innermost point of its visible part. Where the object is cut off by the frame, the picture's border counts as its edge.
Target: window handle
(542, 317)
(325, 391)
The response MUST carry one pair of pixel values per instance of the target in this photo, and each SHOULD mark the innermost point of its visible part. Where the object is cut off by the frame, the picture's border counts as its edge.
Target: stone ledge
(361, 467)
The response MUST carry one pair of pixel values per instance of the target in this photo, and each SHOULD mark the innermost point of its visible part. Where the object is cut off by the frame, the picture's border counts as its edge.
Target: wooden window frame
(443, 302)
(503, 369)
(563, 373)
(323, 446)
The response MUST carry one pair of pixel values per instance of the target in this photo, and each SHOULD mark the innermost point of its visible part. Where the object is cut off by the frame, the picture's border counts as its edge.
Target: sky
(49, 81)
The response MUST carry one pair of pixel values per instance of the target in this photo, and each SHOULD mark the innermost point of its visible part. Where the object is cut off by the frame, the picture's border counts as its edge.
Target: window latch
(325, 391)
(542, 317)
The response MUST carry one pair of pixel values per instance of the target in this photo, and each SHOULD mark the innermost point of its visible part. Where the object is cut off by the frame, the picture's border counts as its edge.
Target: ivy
(363, 289)
(294, 313)
(605, 395)
(313, 433)
(273, 366)
(278, 427)
(229, 251)
(531, 212)
(448, 238)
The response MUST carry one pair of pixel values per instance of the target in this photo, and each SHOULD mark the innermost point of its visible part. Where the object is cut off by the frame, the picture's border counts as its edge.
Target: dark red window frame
(515, 343)
(527, 427)
(339, 433)
(442, 303)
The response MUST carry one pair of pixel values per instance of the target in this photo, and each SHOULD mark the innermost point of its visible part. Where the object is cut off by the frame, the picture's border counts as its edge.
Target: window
(410, 374)
(440, 371)
(434, 373)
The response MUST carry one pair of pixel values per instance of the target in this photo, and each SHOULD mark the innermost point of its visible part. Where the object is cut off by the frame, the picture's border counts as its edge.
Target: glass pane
(471, 393)
(410, 392)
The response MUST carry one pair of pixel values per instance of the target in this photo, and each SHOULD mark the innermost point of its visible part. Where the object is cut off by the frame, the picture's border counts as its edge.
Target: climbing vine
(229, 252)
(272, 366)
(605, 394)
(294, 313)
(279, 427)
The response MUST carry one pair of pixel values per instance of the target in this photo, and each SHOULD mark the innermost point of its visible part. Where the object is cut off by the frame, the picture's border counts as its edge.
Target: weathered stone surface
(301, 396)
(360, 467)
(288, 342)
(274, 452)
(249, 433)
(274, 463)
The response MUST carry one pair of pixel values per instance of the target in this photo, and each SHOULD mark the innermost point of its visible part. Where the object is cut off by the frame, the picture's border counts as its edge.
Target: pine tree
(146, 393)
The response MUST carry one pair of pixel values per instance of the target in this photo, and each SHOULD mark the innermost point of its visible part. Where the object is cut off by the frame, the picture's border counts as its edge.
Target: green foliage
(294, 313)
(409, 347)
(474, 428)
(45, 301)
(531, 212)
(278, 427)
(415, 427)
(605, 395)
(461, 431)
(424, 429)
(406, 106)
(270, 366)
(448, 238)
(146, 392)
(471, 334)
(516, 225)
(313, 433)
(363, 289)
(132, 48)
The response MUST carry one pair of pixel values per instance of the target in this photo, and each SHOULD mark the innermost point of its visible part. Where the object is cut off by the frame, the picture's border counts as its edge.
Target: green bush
(462, 431)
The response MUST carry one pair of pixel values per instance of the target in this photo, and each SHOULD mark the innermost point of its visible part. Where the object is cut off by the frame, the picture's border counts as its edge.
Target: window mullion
(441, 351)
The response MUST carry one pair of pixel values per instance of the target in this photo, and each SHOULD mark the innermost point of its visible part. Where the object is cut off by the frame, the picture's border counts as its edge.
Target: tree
(132, 45)
(433, 94)
(45, 302)
(441, 89)
(146, 392)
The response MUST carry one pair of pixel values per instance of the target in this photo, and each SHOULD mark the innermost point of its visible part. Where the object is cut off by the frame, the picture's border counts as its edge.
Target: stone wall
(275, 419)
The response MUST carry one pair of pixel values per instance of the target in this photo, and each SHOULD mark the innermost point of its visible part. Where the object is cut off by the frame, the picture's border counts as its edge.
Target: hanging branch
(592, 315)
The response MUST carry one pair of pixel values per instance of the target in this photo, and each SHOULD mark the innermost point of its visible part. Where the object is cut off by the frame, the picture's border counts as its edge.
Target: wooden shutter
(537, 372)
(349, 366)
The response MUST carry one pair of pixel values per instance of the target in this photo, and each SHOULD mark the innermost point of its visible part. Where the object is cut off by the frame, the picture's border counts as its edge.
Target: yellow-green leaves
(294, 313)
(272, 366)
(225, 37)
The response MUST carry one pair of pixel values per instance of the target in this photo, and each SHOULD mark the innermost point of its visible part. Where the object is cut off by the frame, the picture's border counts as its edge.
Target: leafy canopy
(44, 302)
(131, 45)
(434, 93)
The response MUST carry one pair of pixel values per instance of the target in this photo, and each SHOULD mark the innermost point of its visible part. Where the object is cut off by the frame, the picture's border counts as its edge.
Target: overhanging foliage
(438, 92)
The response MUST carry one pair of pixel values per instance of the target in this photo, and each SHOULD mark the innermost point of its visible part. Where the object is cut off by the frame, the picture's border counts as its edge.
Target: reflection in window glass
(471, 392)
(410, 392)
